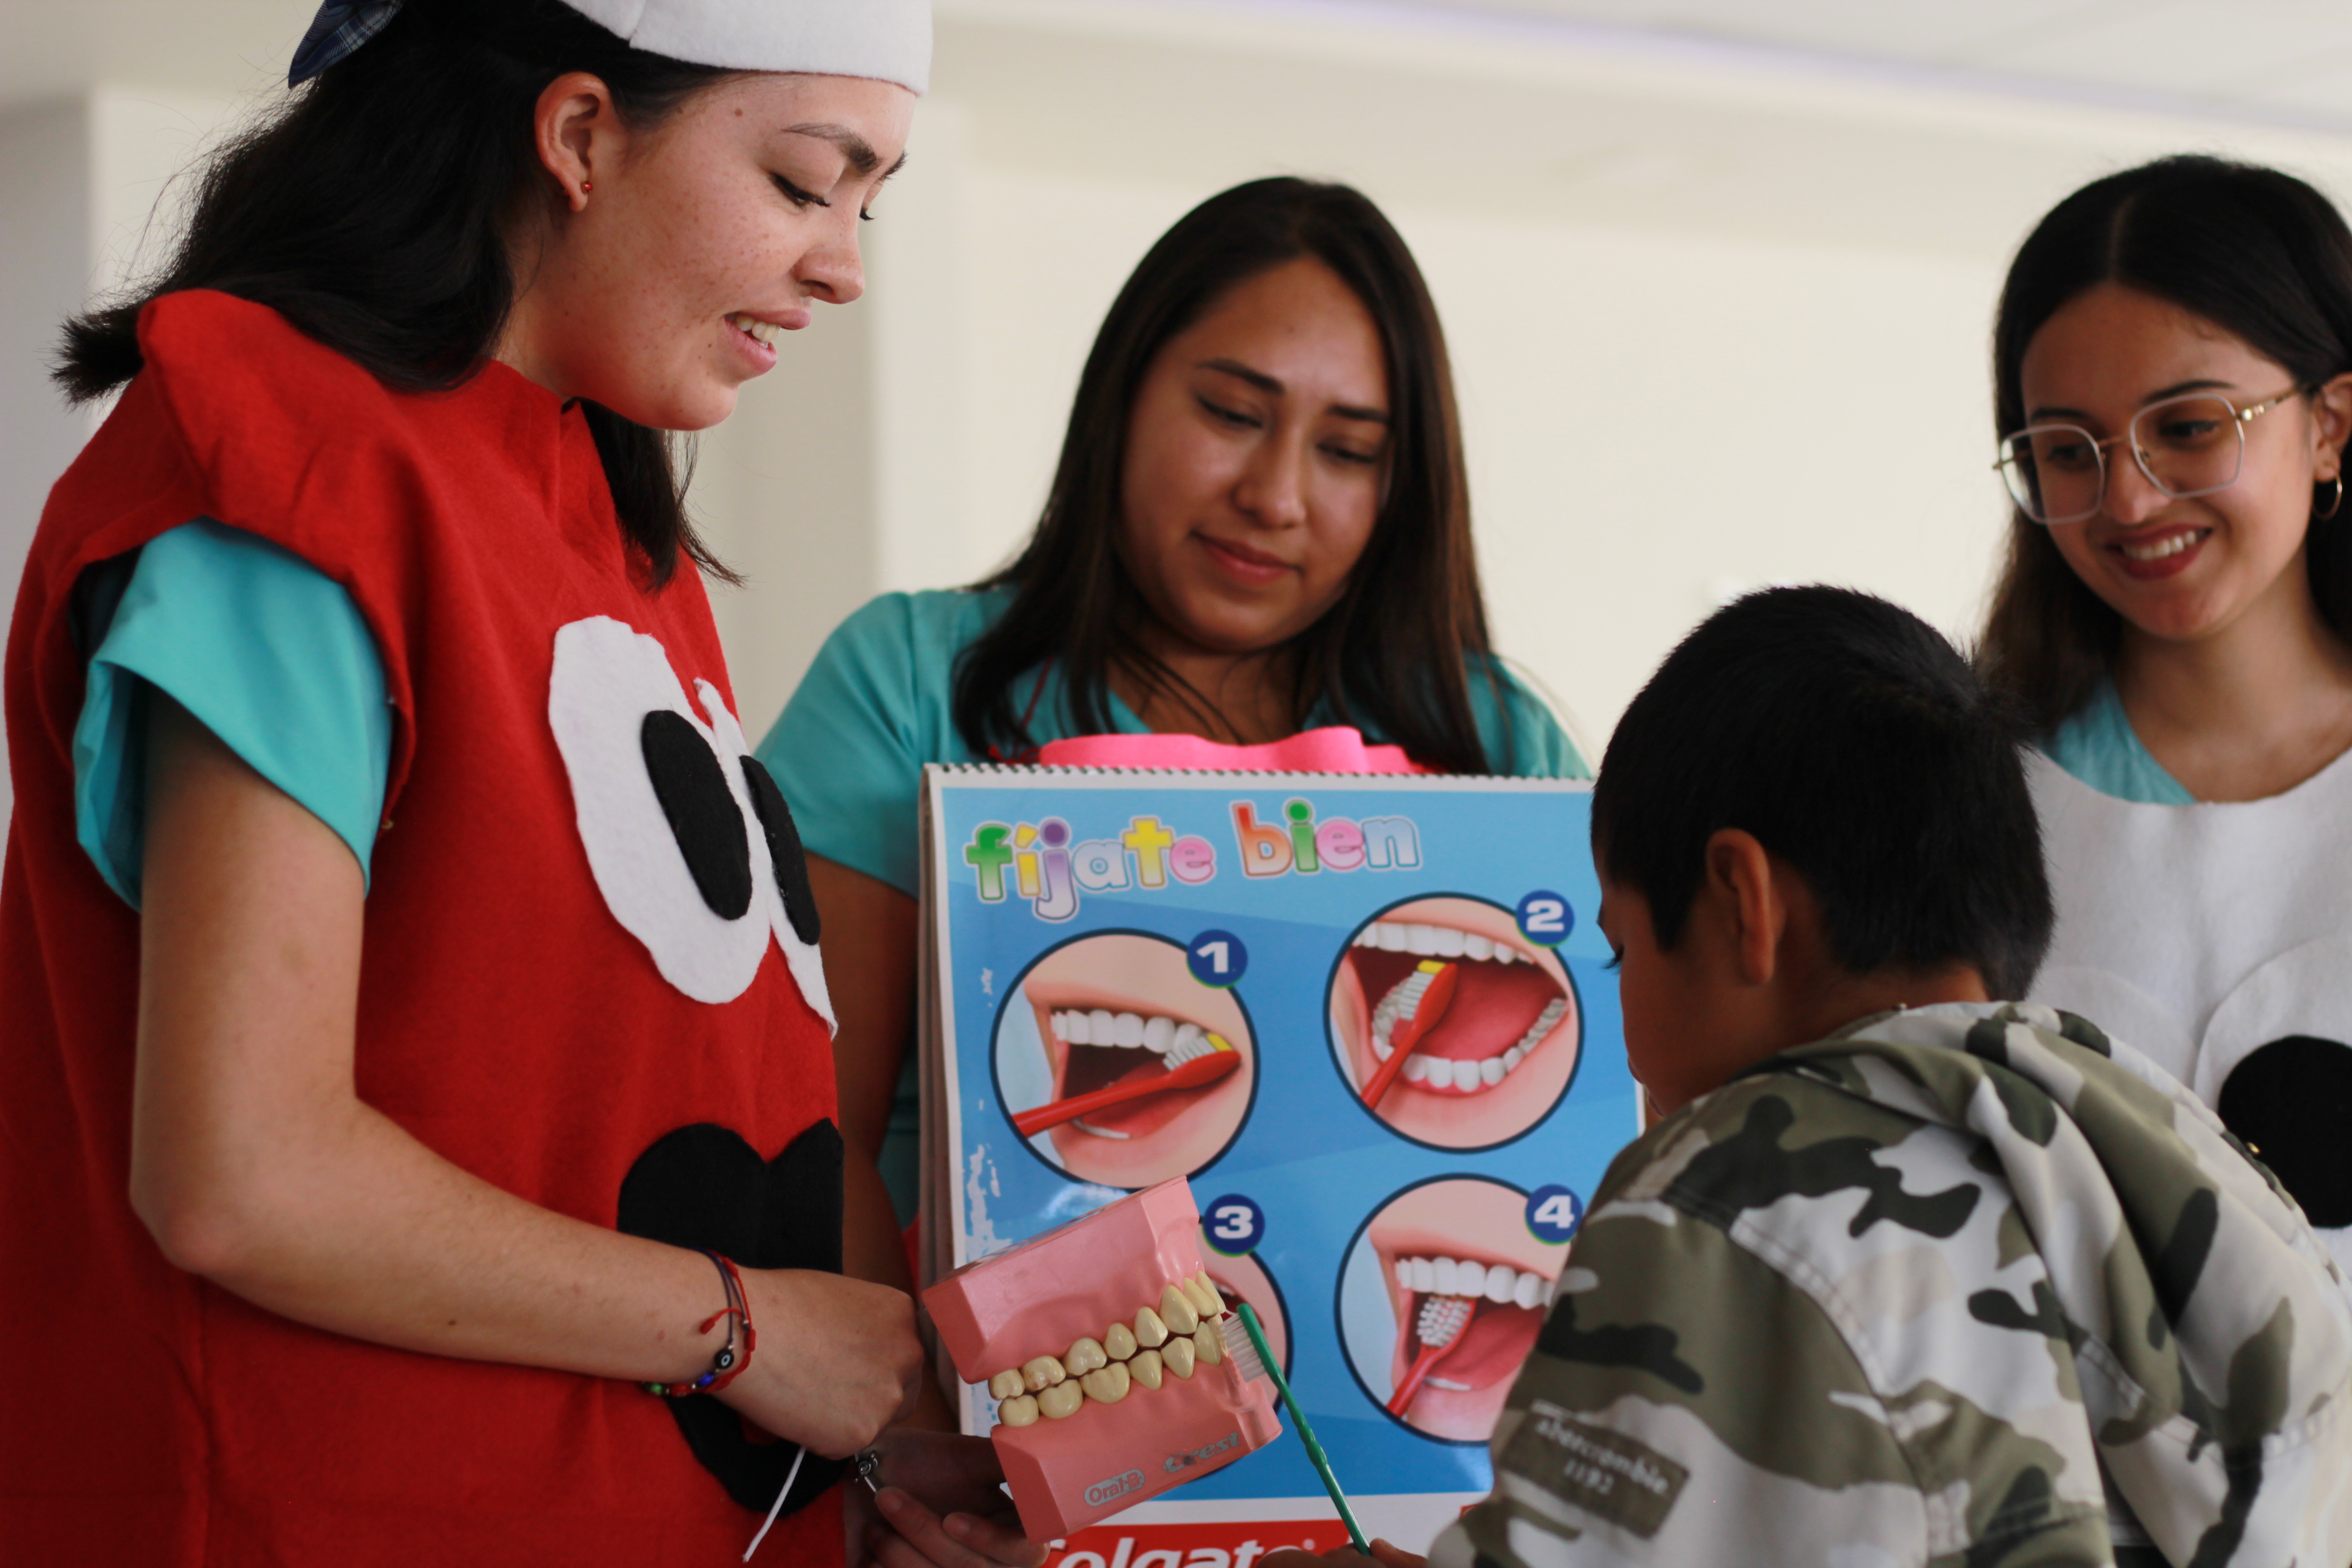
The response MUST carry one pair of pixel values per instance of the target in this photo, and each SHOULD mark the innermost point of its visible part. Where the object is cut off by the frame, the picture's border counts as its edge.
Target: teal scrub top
(849, 749)
(2098, 745)
(265, 650)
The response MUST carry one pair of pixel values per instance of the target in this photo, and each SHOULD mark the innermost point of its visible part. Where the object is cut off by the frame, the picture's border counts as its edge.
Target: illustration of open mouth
(1114, 1045)
(1506, 1003)
(1471, 1316)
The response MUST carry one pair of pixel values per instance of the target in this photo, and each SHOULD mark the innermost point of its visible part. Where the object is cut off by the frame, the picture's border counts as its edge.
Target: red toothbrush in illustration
(1443, 1318)
(1192, 1065)
(1417, 1003)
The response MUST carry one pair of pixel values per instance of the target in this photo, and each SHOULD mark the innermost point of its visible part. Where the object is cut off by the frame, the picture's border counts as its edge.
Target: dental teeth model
(1103, 1344)
(1105, 1369)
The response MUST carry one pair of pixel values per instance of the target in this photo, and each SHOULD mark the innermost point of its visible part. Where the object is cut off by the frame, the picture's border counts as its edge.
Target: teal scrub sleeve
(2097, 745)
(849, 748)
(1538, 746)
(267, 653)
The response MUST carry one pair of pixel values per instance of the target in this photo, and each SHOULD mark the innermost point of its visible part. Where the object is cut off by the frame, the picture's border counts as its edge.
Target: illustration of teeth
(1177, 1355)
(1085, 1355)
(1496, 1282)
(1145, 1368)
(1437, 941)
(1151, 1331)
(1118, 1342)
(1459, 1075)
(1006, 1385)
(1062, 1400)
(1433, 1381)
(1042, 1373)
(1208, 1344)
(1019, 1411)
(1177, 1311)
(1106, 1383)
(1157, 1033)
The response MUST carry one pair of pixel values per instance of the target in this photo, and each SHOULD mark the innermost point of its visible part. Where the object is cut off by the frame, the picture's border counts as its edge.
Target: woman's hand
(940, 1504)
(837, 1362)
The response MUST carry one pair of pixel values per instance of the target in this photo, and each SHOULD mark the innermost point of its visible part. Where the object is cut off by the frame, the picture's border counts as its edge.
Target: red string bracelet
(726, 1364)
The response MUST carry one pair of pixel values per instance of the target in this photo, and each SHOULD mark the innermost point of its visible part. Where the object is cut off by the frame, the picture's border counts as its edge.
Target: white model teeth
(1498, 1282)
(1181, 1334)
(753, 327)
(1461, 1074)
(1132, 1031)
(2171, 544)
(1437, 941)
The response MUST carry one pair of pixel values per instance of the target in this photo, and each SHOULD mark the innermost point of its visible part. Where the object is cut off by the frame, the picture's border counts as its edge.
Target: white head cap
(889, 40)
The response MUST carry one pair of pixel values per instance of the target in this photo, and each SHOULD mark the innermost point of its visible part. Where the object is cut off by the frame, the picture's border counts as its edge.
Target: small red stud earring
(586, 186)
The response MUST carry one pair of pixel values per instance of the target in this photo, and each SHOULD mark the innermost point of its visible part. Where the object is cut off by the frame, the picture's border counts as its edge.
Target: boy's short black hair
(1857, 745)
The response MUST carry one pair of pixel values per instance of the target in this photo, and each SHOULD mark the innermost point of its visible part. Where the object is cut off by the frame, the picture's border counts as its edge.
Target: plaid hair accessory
(340, 27)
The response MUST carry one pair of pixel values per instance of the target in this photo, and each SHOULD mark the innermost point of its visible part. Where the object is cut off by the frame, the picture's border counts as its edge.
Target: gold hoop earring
(2334, 503)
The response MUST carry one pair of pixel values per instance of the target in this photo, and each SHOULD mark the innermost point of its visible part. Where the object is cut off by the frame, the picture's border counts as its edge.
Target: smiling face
(687, 246)
(1494, 1062)
(1426, 1242)
(1255, 455)
(1121, 987)
(2182, 568)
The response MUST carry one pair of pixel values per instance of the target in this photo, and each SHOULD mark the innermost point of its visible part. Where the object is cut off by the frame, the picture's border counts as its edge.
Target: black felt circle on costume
(2291, 1101)
(704, 1186)
(784, 849)
(702, 813)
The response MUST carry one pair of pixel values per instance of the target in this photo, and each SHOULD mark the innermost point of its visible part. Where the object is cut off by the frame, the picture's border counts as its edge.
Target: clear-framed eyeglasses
(2187, 445)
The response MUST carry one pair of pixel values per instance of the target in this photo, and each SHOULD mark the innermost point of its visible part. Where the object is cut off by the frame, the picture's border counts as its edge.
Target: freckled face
(1256, 453)
(739, 211)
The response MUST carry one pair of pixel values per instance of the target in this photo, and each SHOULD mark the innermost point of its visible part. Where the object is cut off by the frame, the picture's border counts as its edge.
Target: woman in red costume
(415, 1102)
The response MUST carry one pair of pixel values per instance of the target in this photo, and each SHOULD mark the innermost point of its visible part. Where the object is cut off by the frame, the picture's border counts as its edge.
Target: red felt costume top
(524, 1003)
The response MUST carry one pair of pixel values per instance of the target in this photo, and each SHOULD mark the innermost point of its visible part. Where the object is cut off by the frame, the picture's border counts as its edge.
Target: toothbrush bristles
(1441, 1318)
(1238, 1346)
(1193, 1050)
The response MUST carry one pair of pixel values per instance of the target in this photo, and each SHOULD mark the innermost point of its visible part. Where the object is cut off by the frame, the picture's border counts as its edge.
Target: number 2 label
(1545, 918)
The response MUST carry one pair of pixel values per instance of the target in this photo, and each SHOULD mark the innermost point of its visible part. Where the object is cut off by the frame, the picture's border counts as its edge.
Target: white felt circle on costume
(803, 959)
(607, 678)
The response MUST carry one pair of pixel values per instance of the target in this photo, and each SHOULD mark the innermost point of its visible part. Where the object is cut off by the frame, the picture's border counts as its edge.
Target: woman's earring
(2334, 503)
(586, 186)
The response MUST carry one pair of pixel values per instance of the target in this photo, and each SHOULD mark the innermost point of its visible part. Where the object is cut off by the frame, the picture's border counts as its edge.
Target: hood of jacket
(2212, 1333)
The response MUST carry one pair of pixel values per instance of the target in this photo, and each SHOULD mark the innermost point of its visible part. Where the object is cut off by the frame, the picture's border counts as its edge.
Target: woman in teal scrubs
(1260, 525)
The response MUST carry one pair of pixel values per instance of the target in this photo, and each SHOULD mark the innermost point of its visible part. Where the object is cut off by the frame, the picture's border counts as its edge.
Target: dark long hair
(2256, 252)
(1395, 655)
(374, 212)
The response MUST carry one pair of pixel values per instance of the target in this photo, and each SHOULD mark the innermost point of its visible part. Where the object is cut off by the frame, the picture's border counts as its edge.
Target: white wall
(1718, 317)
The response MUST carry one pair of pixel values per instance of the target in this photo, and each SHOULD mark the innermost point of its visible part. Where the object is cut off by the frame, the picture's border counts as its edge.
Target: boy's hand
(1383, 1554)
(940, 1504)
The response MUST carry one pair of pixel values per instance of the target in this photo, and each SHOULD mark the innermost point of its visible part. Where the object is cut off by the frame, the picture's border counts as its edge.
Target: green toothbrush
(1255, 1360)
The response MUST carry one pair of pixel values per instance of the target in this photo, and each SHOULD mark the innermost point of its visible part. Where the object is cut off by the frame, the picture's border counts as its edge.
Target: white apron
(2218, 939)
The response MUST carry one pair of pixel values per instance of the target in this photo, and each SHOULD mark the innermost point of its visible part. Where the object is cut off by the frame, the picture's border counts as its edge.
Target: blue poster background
(1314, 1163)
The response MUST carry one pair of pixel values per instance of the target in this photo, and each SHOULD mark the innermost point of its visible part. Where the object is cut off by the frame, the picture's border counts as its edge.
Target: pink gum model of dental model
(1101, 1344)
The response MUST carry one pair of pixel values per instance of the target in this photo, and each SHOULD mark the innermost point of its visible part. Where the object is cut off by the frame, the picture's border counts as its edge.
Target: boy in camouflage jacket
(1905, 1275)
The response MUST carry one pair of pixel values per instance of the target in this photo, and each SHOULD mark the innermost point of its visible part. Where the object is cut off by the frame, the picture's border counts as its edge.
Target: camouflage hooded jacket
(1962, 1285)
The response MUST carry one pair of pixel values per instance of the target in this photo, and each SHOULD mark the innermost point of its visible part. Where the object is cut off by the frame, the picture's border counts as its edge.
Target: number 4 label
(1553, 1214)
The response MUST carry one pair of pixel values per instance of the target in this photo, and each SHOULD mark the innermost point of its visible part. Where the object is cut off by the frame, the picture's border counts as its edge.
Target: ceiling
(2288, 61)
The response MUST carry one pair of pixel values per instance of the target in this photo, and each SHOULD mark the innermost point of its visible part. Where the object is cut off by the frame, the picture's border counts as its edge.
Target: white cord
(776, 1507)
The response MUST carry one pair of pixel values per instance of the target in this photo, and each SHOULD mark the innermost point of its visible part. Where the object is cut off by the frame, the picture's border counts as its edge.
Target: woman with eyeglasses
(2173, 384)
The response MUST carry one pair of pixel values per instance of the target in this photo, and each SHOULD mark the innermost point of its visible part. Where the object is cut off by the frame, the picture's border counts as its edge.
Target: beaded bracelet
(726, 1366)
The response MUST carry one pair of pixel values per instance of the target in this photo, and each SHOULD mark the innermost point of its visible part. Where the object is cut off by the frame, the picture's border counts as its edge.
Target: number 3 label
(1235, 1225)
(1545, 918)
(1218, 958)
